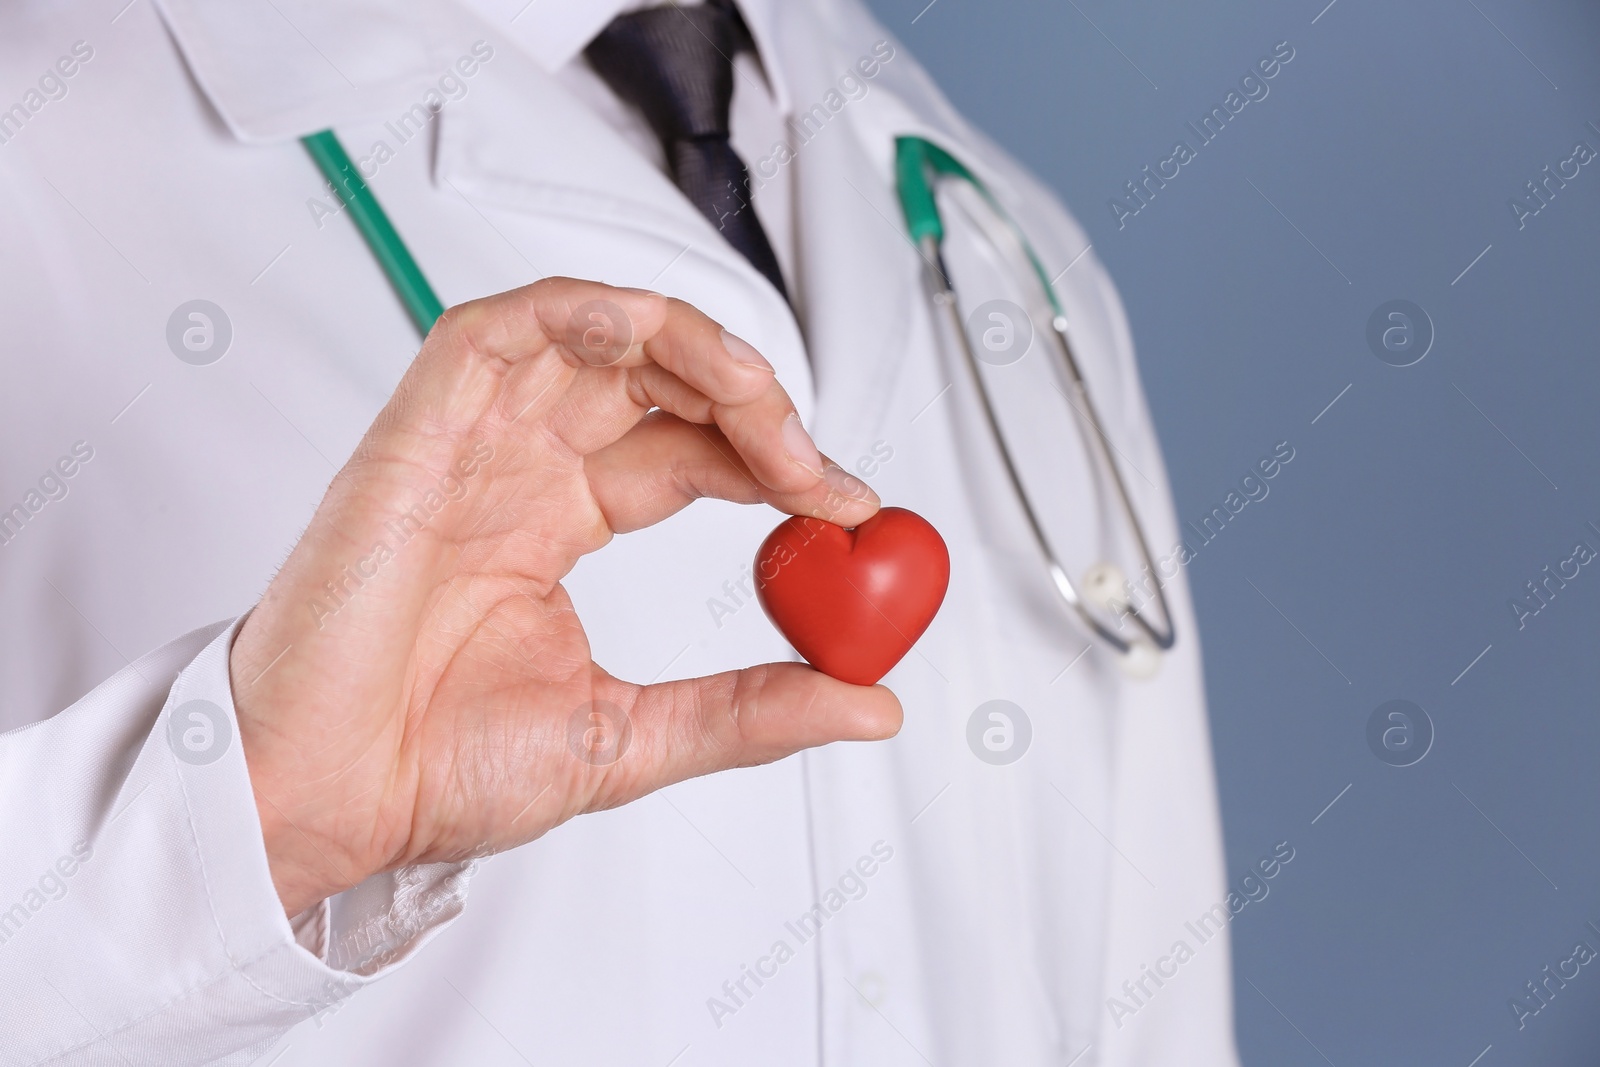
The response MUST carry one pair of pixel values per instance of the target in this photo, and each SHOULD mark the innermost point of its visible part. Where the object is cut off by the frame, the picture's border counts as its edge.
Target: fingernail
(843, 482)
(799, 445)
(744, 352)
(641, 292)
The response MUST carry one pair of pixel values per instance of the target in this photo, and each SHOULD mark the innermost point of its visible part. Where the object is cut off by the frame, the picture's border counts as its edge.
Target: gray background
(1417, 506)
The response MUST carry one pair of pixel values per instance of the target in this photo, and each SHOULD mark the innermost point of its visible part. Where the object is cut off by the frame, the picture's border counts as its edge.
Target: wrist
(302, 872)
(301, 880)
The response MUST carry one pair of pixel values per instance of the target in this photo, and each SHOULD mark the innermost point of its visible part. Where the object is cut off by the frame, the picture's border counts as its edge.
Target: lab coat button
(872, 988)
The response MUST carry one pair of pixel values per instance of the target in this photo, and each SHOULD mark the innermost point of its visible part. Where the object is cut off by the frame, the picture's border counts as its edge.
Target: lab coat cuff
(281, 958)
(331, 950)
(370, 929)
(170, 934)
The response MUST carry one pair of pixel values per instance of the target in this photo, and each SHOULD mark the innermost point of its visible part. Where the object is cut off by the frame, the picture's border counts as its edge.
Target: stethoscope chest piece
(1105, 585)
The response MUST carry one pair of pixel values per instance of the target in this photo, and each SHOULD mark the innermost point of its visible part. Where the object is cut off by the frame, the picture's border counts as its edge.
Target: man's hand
(415, 685)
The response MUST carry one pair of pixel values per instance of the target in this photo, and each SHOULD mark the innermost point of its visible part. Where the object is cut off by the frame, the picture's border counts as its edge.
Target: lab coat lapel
(857, 272)
(523, 143)
(860, 274)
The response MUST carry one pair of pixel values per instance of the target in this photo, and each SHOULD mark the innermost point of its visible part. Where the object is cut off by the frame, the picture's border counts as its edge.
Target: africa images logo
(199, 732)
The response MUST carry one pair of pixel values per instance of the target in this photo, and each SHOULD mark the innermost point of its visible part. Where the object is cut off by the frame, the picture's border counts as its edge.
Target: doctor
(458, 654)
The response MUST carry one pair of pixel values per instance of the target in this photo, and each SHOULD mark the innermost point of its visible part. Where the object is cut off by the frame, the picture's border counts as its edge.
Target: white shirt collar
(554, 32)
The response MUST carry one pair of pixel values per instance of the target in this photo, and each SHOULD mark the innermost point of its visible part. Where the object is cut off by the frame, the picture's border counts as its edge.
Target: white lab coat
(971, 913)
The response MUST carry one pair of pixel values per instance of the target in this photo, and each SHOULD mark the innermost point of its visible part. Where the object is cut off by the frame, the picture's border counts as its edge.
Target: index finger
(686, 363)
(602, 326)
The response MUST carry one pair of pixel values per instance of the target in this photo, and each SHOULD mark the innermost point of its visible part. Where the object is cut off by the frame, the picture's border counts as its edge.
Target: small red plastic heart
(853, 602)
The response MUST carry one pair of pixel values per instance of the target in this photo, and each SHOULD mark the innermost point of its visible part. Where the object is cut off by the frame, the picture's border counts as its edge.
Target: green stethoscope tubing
(387, 246)
(920, 167)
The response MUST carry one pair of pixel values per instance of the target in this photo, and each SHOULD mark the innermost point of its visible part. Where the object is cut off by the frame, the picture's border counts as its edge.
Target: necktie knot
(674, 64)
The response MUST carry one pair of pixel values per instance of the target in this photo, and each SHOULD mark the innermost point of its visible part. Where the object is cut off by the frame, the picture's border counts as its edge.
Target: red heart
(853, 602)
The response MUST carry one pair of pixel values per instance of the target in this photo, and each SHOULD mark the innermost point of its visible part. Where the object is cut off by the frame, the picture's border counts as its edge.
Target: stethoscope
(921, 169)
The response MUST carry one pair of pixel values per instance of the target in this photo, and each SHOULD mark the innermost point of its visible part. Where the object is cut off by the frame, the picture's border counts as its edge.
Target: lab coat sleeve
(138, 921)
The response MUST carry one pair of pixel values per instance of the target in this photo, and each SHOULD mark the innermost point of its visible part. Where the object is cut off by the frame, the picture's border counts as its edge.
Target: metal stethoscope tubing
(942, 293)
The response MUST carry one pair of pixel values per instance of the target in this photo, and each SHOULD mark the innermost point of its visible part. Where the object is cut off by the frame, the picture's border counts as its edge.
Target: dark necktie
(675, 64)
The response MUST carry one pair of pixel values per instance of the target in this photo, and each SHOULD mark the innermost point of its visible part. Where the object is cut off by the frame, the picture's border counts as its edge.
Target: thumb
(687, 728)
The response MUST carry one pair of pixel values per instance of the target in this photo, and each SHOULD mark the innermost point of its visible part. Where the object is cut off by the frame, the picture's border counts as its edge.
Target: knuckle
(734, 726)
(451, 323)
(462, 330)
